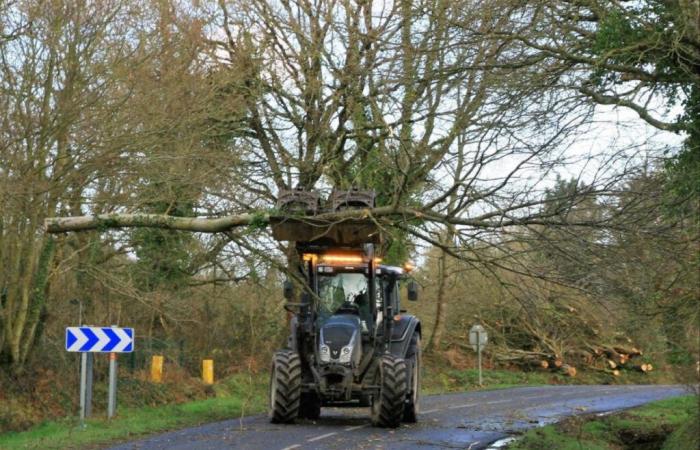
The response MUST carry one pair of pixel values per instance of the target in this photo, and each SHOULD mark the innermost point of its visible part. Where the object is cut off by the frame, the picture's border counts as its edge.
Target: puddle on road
(500, 443)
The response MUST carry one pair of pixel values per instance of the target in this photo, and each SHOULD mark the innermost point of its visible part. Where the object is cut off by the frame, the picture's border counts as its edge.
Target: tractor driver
(344, 291)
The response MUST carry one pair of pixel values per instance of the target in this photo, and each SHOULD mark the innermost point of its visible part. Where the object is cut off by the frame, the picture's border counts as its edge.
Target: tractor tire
(414, 358)
(285, 387)
(388, 405)
(310, 406)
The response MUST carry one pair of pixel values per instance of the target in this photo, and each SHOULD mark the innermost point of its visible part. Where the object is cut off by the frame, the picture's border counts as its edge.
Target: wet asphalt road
(466, 421)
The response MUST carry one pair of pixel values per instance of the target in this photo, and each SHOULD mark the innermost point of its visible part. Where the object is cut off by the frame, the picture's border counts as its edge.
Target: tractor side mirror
(288, 290)
(412, 291)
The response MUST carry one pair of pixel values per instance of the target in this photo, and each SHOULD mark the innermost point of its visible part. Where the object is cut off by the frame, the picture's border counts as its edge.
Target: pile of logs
(611, 359)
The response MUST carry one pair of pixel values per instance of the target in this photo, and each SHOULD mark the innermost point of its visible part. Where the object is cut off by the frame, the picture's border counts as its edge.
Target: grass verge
(233, 397)
(647, 427)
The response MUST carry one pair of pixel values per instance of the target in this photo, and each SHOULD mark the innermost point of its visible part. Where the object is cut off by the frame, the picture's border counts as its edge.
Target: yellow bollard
(208, 371)
(157, 368)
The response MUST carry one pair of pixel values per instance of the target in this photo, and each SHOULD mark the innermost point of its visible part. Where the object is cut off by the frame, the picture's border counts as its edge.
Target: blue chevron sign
(100, 339)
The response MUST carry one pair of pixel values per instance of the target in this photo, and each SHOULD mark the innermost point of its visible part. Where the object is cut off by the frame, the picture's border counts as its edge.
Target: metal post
(83, 382)
(88, 384)
(112, 394)
(478, 351)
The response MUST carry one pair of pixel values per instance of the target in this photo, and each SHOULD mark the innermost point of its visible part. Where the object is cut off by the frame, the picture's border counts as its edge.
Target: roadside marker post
(89, 340)
(156, 368)
(478, 338)
(208, 371)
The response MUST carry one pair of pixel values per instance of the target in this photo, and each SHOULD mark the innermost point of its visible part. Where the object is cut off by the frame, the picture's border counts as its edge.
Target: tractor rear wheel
(285, 386)
(310, 406)
(388, 405)
(414, 360)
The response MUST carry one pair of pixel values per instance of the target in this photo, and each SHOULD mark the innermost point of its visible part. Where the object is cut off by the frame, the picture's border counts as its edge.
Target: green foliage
(164, 256)
(259, 222)
(686, 436)
(615, 32)
(683, 170)
(630, 35)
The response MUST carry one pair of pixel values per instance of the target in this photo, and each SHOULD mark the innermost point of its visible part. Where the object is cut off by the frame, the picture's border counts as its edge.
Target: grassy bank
(669, 424)
(236, 396)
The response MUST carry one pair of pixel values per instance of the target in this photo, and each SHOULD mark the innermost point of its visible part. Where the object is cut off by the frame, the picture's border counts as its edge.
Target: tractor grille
(336, 337)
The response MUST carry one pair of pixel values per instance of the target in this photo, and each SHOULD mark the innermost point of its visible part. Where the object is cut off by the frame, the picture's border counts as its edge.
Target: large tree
(459, 113)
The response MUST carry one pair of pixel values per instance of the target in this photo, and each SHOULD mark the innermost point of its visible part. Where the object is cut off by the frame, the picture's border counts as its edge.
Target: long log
(629, 351)
(196, 224)
(210, 224)
(225, 223)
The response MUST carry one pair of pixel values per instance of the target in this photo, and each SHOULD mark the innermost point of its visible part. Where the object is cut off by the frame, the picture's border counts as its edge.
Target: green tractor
(350, 343)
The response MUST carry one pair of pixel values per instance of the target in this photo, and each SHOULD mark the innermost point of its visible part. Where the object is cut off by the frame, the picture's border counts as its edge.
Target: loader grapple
(301, 222)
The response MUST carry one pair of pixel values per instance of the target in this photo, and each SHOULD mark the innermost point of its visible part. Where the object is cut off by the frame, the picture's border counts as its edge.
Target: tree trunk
(441, 300)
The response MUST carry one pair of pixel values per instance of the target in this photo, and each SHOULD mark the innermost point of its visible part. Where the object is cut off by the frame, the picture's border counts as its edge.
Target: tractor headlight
(345, 354)
(325, 353)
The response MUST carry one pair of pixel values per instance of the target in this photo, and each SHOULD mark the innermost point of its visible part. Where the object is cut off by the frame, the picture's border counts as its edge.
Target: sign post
(478, 339)
(90, 359)
(83, 387)
(112, 395)
(88, 340)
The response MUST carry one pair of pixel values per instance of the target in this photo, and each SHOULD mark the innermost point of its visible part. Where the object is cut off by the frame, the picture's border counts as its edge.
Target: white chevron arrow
(124, 339)
(103, 339)
(81, 339)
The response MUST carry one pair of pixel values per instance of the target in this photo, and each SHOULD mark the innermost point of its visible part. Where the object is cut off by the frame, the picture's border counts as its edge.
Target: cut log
(611, 364)
(631, 351)
(568, 370)
(583, 356)
(644, 368)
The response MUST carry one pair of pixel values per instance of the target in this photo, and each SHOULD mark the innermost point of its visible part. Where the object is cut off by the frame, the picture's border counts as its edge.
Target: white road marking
(429, 411)
(496, 402)
(323, 436)
(356, 427)
(292, 446)
(462, 406)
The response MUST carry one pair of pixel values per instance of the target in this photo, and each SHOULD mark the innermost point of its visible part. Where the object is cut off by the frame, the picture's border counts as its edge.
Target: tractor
(350, 343)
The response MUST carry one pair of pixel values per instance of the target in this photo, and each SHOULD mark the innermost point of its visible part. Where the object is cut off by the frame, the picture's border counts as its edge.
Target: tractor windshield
(342, 290)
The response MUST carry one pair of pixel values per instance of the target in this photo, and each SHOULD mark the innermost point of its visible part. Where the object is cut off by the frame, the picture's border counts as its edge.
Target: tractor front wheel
(414, 359)
(388, 405)
(285, 387)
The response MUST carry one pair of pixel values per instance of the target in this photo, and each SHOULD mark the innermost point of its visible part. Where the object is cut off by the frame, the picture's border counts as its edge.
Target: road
(467, 420)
